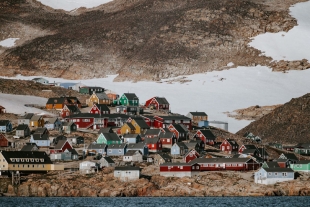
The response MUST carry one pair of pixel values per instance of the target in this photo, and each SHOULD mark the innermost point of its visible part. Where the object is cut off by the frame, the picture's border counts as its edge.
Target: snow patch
(69, 5)
(10, 42)
(230, 64)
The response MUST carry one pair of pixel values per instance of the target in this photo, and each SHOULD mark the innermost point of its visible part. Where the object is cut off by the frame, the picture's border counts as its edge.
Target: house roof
(60, 144)
(73, 108)
(303, 162)
(179, 128)
(250, 146)
(152, 132)
(108, 159)
(151, 140)
(272, 164)
(131, 135)
(40, 137)
(51, 120)
(68, 123)
(27, 116)
(127, 168)
(40, 130)
(4, 122)
(165, 156)
(35, 118)
(132, 152)
(102, 107)
(130, 126)
(102, 96)
(105, 130)
(22, 127)
(278, 169)
(73, 151)
(139, 145)
(117, 146)
(290, 156)
(177, 164)
(142, 124)
(29, 147)
(249, 151)
(62, 100)
(181, 145)
(207, 133)
(232, 142)
(96, 146)
(161, 100)
(131, 96)
(166, 135)
(191, 145)
(198, 113)
(26, 154)
(111, 136)
(303, 145)
(174, 117)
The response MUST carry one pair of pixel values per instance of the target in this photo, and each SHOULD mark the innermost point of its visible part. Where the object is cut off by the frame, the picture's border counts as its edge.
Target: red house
(180, 131)
(157, 103)
(235, 164)
(179, 169)
(229, 146)
(154, 144)
(165, 121)
(69, 110)
(249, 150)
(206, 136)
(191, 155)
(99, 109)
(148, 119)
(61, 146)
(167, 139)
(4, 142)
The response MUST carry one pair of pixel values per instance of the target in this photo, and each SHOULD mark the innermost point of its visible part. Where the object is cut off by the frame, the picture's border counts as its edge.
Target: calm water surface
(149, 202)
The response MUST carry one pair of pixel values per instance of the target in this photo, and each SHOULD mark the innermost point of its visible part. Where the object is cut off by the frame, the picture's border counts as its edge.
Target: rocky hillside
(288, 123)
(139, 39)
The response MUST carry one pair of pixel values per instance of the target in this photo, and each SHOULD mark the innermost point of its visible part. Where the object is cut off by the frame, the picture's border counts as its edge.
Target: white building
(274, 175)
(87, 167)
(133, 156)
(127, 173)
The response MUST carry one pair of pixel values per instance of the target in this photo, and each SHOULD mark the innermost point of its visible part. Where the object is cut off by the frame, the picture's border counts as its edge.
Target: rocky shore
(103, 184)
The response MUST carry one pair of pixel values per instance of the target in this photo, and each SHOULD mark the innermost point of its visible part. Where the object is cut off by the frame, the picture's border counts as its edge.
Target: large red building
(157, 103)
(179, 169)
(165, 121)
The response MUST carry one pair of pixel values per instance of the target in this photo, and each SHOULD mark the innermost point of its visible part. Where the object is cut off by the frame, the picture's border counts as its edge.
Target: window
(152, 145)
(181, 167)
(193, 167)
(240, 165)
(43, 166)
(110, 151)
(119, 150)
(275, 173)
(197, 167)
(168, 140)
(13, 165)
(85, 120)
(284, 174)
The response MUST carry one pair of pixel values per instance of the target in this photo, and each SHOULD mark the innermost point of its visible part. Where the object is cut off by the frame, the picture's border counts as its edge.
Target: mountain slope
(139, 39)
(289, 123)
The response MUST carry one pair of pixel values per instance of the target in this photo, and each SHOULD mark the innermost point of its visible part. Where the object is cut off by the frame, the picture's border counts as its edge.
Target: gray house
(87, 167)
(53, 123)
(25, 119)
(42, 140)
(69, 127)
(97, 148)
(106, 162)
(179, 148)
(273, 175)
(22, 130)
(127, 173)
(133, 156)
(117, 149)
(139, 146)
(5, 126)
(132, 138)
(30, 147)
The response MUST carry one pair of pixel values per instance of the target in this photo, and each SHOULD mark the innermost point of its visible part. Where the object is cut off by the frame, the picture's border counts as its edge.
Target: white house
(133, 156)
(127, 173)
(268, 176)
(87, 167)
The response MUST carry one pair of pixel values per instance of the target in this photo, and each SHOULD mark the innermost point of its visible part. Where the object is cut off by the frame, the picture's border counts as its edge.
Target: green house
(108, 138)
(302, 149)
(129, 99)
(301, 166)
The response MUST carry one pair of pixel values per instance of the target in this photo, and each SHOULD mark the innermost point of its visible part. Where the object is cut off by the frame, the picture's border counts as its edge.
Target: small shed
(106, 162)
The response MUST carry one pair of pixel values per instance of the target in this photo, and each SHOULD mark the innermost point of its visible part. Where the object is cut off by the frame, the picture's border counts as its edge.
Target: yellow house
(25, 161)
(128, 128)
(98, 98)
(37, 121)
(140, 125)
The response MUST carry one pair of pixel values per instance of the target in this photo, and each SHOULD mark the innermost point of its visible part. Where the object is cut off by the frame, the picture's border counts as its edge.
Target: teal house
(301, 166)
(128, 99)
(108, 138)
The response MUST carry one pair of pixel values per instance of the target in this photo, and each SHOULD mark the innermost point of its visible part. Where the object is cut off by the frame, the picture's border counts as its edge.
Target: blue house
(117, 150)
(132, 138)
(42, 140)
(5, 126)
(98, 148)
(53, 123)
(139, 146)
(179, 148)
(268, 176)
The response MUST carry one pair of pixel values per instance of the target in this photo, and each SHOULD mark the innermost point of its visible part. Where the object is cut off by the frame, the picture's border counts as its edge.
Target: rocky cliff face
(105, 185)
(288, 123)
(139, 39)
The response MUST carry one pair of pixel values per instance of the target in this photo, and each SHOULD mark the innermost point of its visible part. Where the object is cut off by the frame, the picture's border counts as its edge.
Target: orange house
(59, 103)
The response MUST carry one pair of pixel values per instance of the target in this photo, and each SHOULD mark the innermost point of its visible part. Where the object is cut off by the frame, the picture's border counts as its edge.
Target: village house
(127, 173)
(25, 162)
(249, 150)
(69, 110)
(106, 162)
(289, 156)
(128, 99)
(37, 121)
(99, 109)
(53, 123)
(140, 125)
(229, 146)
(98, 98)
(302, 149)
(41, 80)
(197, 145)
(108, 138)
(68, 127)
(22, 130)
(235, 164)
(5, 126)
(283, 163)
(2, 110)
(158, 103)
(132, 138)
(179, 149)
(165, 121)
(61, 146)
(95, 148)
(58, 138)
(25, 119)
(152, 133)
(41, 140)
(41, 130)
(112, 95)
(190, 155)
(4, 142)
(270, 165)
(167, 139)
(206, 136)
(141, 146)
(117, 150)
(268, 176)
(301, 166)
(30, 147)
(154, 144)
(133, 156)
(161, 158)
(179, 169)
(127, 128)
(59, 103)
(87, 167)
(90, 90)
(76, 140)
(149, 120)
(197, 116)
(180, 131)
